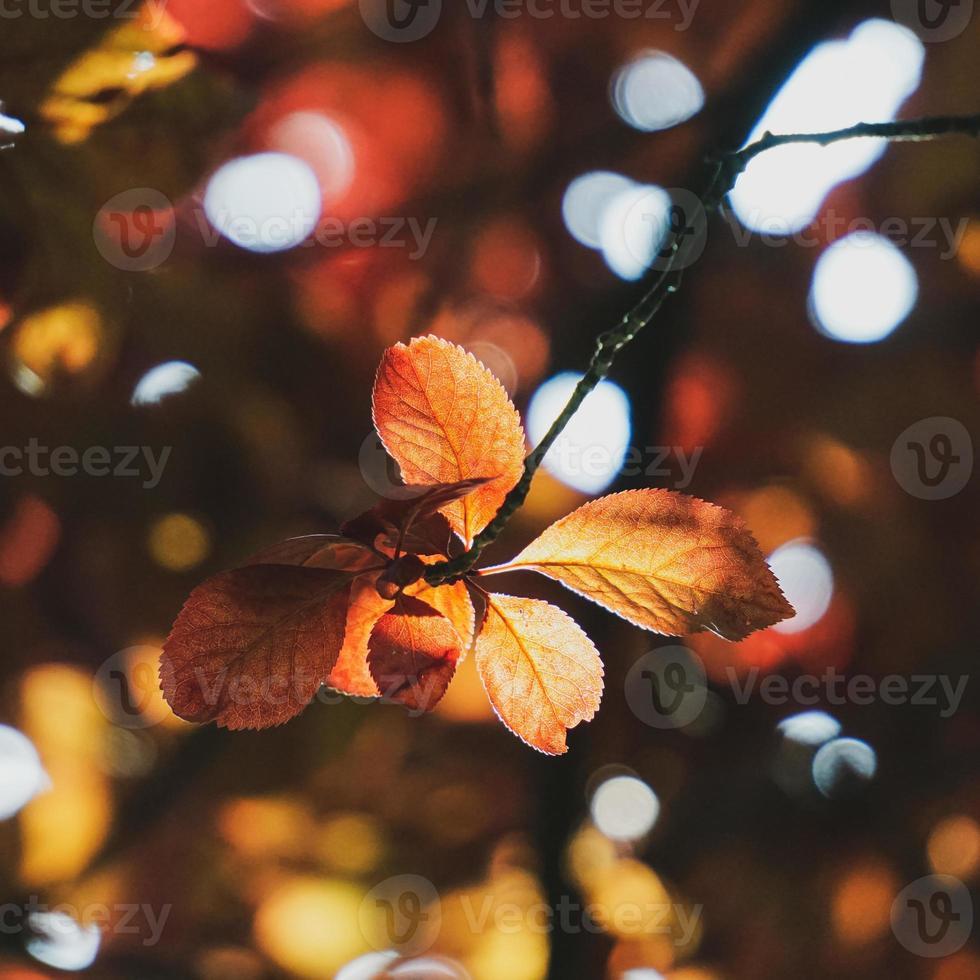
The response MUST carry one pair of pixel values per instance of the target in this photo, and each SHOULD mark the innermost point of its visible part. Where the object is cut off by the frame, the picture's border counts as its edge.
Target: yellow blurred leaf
(142, 54)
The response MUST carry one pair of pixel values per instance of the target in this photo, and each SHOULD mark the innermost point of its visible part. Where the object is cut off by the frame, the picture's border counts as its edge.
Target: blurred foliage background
(263, 846)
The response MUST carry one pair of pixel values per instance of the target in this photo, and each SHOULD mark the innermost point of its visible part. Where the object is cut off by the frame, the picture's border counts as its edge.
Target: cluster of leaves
(354, 611)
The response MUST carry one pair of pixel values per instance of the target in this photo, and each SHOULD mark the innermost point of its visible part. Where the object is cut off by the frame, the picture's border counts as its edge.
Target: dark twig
(726, 171)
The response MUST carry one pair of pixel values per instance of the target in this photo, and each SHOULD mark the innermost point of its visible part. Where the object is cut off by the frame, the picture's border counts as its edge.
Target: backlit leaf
(413, 653)
(429, 535)
(664, 561)
(318, 551)
(454, 602)
(445, 418)
(412, 518)
(350, 674)
(541, 672)
(251, 646)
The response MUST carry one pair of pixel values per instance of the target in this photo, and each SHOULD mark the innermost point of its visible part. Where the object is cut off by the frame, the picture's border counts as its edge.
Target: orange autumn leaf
(251, 646)
(318, 551)
(445, 418)
(541, 672)
(356, 611)
(412, 519)
(350, 674)
(413, 653)
(664, 561)
(454, 602)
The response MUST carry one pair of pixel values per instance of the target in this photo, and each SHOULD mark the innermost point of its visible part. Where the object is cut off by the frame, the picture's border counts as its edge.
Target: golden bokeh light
(465, 700)
(266, 827)
(548, 500)
(178, 542)
(954, 847)
(141, 664)
(352, 843)
(838, 473)
(776, 514)
(589, 854)
(629, 901)
(862, 902)
(968, 253)
(55, 342)
(960, 966)
(499, 928)
(63, 827)
(646, 953)
(230, 963)
(309, 926)
(517, 956)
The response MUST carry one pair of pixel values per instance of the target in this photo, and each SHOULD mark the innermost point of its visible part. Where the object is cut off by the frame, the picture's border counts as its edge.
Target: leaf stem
(726, 170)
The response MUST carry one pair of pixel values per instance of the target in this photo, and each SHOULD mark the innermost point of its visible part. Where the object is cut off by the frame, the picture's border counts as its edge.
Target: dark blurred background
(225, 322)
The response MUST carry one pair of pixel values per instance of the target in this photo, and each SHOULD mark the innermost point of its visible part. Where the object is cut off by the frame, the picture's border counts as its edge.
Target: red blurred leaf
(541, 672)
(251, 646)
(27, 541)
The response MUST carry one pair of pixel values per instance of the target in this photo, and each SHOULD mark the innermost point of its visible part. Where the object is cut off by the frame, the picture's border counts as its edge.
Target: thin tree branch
(725, 173)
